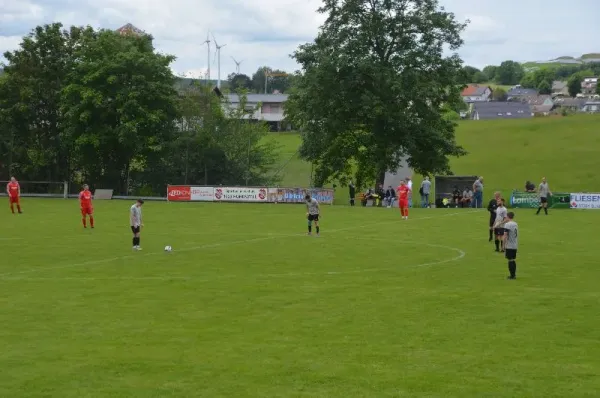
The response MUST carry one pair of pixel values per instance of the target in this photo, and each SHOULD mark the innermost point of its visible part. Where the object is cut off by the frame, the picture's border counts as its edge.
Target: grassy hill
(506, 153)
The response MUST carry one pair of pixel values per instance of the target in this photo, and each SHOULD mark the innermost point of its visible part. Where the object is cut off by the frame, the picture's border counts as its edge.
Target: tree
(499, 94)
(278, 80)
(509, 72)
(374, 87)
(490, 72)
(574, 85)
(598, 89)
(119, 107)
(545, 87)
(528, 81)
(469, 73)
(239, 82)
(479, 77)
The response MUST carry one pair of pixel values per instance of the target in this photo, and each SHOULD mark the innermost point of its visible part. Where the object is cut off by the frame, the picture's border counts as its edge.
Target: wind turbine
(218, 51)
(207, 42)
(237, 65)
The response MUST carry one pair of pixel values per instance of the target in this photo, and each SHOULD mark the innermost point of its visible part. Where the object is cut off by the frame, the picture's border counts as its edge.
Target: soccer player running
(403, 192)
(312, 213)
(501, 214)
(13, 189)
(492, 206)
(135, 220)
(544, 192)
(85, 202)
(511, 243)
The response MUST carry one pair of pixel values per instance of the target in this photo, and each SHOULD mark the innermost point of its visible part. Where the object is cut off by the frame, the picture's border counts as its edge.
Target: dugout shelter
(444, 185)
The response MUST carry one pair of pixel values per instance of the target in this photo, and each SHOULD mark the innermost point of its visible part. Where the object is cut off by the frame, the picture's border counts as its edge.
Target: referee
(511, 243)
(492, 206)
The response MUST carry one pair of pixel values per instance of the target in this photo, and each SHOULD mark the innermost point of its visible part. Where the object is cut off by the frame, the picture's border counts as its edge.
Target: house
(476, 93)
(589, 85)
(541, 105)
(518, 93)
(264, 107)
(500, 110)
(574, 104)
(591, 107)
(560, 88)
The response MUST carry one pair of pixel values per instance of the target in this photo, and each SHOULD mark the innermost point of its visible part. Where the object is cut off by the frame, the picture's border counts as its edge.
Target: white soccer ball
(168, 248)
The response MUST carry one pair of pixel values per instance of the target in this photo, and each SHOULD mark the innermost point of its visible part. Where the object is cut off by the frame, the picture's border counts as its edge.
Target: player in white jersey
(501, 214)
(312, 212)
(511, 243)
(135, 220)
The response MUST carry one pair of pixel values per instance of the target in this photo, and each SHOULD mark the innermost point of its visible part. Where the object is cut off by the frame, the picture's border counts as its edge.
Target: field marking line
(460, 256)
(217, 244)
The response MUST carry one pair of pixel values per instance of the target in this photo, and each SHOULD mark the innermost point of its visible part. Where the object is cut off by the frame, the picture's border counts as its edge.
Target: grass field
(509, 152)
(248, 306)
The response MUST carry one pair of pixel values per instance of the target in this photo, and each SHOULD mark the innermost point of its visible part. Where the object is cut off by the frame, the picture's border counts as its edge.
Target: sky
(266, 32)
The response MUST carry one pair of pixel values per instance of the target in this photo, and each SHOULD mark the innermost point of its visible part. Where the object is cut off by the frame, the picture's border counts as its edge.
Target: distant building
(264, 107)
(476, 93)
(518, 93)
(560, 88)
(129, 29)
(500, 110)
(589, 85)
(591, 107)
(573, 104)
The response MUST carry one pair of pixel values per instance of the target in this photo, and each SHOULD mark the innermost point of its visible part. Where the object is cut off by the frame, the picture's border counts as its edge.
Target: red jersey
(13, 189)
(403, 191)
(85, 199)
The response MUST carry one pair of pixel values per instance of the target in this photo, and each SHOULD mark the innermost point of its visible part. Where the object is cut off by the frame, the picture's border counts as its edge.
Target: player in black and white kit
(135, 220)
(312, 213)
(492, 206)
(511, 243)
(501, 214)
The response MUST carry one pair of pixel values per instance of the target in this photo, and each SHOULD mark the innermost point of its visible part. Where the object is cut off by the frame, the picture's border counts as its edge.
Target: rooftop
(474, 90)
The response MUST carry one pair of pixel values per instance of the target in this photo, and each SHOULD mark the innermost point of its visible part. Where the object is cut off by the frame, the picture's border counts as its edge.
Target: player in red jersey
(13, 189)
(85, 202)
(403, 192)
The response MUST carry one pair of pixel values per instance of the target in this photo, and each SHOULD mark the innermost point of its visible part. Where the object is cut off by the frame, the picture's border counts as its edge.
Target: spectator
(529, 186)
(467, 198)
(410, 185)
(380, 195)
(352, 193)
(370, 194)
(477, 201)
(424, 191)
(457, 196)
(390, 195)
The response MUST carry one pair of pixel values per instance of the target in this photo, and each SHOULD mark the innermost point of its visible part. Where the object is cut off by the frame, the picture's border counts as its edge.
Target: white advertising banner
(585, 201)
(239, 194)
(204, 194)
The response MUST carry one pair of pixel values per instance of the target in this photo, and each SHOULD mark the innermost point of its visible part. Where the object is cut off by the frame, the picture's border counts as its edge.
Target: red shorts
(87, 211)
(403, 203)
(14, 199)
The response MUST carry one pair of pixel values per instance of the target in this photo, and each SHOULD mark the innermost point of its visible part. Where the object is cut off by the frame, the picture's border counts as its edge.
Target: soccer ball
(168, 248)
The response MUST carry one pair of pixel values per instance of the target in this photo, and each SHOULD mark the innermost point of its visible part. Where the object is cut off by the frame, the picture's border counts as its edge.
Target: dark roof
(521, 92)
(254, 98)
(570, 102)
(542, 108)
(501, 110)
(129, 29)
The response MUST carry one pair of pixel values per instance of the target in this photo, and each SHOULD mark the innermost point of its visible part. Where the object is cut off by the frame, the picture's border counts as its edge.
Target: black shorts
(543, 200)
(313, 217)
(511, 254)
(135, 230)
(499, 231)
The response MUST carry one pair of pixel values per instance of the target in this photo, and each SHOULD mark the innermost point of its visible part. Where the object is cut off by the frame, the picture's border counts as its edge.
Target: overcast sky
(265, 32)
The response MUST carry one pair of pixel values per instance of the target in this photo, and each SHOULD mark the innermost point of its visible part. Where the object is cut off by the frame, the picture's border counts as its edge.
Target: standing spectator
(477, 193)
(424, 191)
(390, 195)
(409, 183)
(352, 192)
(529, 186)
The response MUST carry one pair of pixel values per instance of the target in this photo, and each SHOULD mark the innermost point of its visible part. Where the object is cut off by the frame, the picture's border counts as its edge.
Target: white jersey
(313, 207)
(501, 214)
(135, 216)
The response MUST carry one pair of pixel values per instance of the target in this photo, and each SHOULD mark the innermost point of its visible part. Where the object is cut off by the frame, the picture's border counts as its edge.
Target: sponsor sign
(233, 194)
(524, 200)
(179, 193)
(203, 194)
(296, 195)
(585, 201)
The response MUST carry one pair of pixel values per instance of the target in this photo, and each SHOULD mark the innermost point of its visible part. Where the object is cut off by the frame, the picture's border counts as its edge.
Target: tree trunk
(380, 177)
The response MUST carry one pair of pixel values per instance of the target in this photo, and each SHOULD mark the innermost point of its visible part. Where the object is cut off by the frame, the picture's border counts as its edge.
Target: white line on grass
(5, 276)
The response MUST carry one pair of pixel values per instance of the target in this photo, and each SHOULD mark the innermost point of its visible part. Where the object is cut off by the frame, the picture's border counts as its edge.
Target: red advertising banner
(179, 193)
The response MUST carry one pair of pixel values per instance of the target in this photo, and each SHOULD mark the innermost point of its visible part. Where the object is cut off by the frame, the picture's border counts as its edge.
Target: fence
(187, 193)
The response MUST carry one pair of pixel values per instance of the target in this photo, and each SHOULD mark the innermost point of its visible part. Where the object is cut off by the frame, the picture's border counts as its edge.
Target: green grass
(246, 306)
(495, 86)
(509, 152)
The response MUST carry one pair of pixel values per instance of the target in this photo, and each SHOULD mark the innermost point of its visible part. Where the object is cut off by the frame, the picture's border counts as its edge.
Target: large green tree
(278, 80)
(239, 82)
(509, 72)
(119, 106)
(374, 89)
(574, 85)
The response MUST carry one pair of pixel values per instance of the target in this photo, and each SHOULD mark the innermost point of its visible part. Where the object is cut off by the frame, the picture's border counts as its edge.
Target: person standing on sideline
(544, 192)
(511, 243)
(492, 206)
(352, 192)
(409, 184)
(477, 193)
(135, 220)
(424, 191)
(13, 189)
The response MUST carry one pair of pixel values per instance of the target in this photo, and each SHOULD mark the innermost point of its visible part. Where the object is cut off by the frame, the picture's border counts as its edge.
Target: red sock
(84, 221)
(92, 221)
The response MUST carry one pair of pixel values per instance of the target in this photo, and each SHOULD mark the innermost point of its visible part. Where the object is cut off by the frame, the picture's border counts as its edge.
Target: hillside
(565, 150)
(565, 60)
